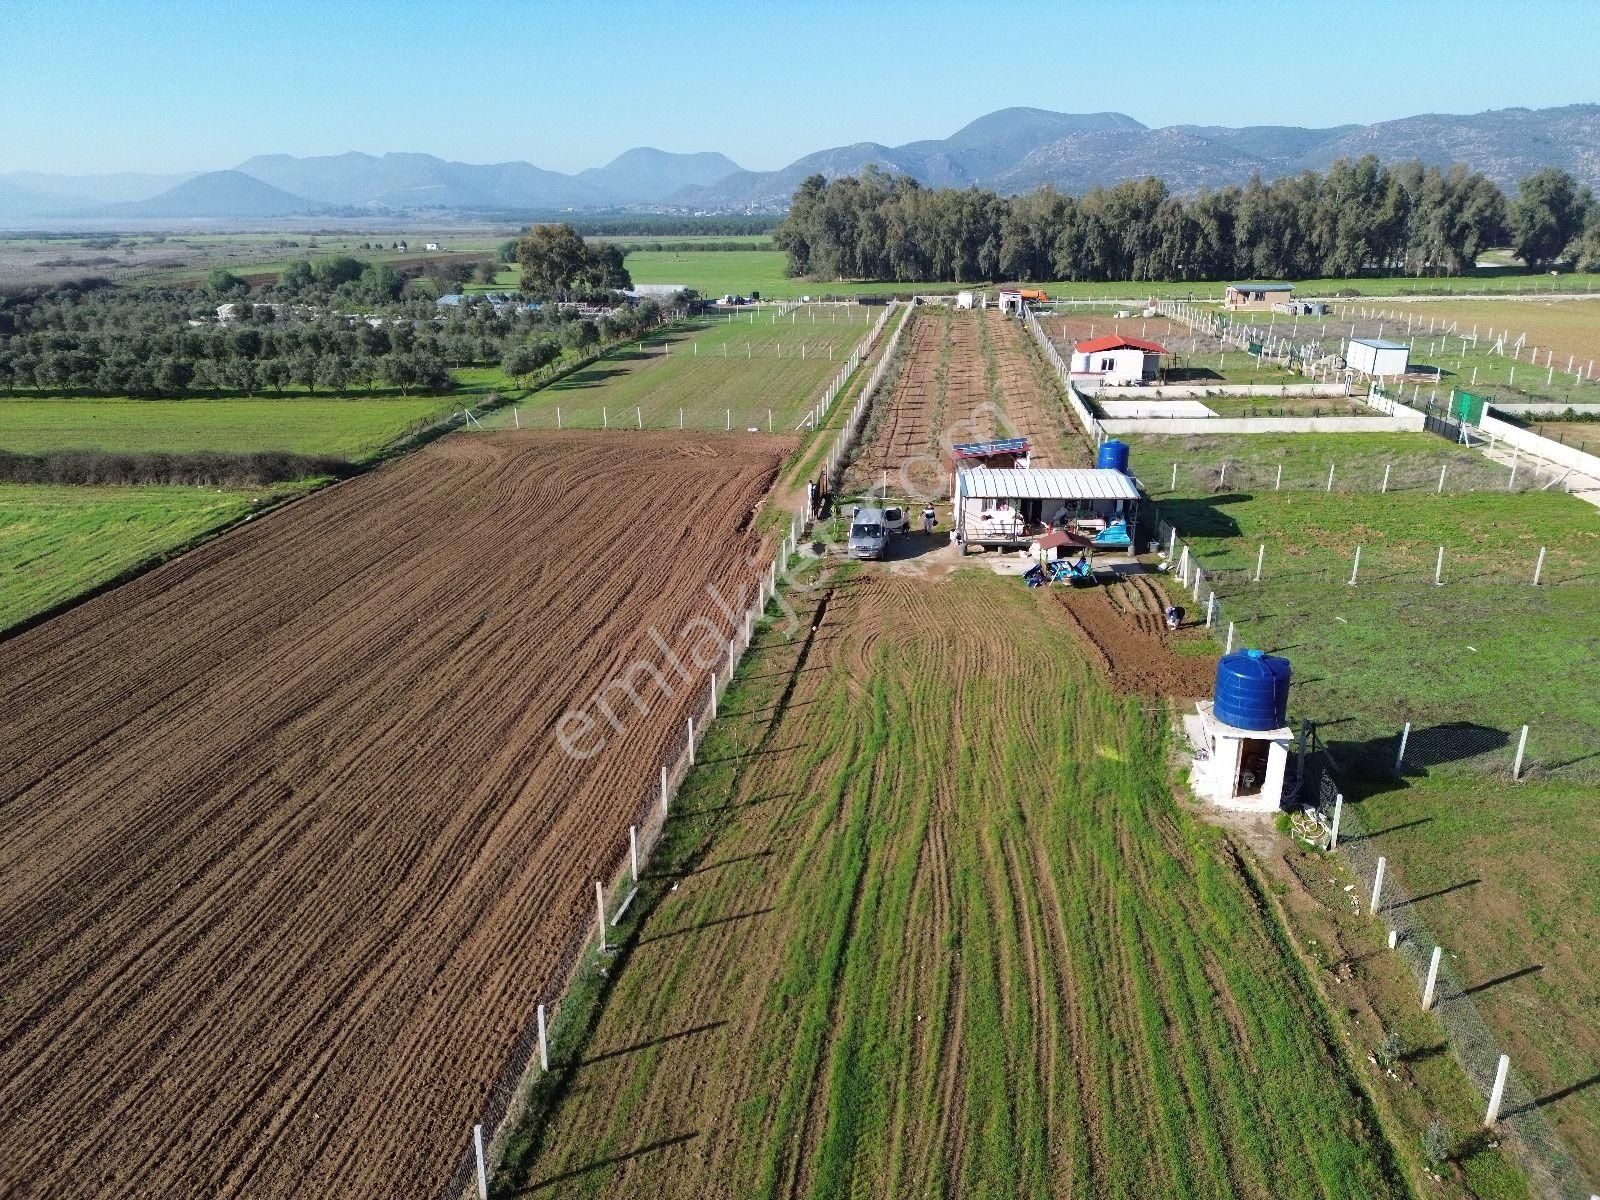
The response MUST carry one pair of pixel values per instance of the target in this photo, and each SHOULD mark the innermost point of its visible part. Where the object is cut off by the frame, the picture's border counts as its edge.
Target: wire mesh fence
(1314, 785)
(505, 1098)
(1380, 893)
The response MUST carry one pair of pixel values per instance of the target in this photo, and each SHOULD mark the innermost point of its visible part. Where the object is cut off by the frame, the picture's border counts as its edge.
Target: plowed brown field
(289, 850)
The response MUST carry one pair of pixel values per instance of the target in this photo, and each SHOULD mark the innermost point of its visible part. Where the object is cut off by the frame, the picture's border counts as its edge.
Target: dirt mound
(292, 847)
(1123, 627)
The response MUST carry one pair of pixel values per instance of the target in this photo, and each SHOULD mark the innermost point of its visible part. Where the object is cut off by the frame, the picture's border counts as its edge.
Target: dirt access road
(290, 850)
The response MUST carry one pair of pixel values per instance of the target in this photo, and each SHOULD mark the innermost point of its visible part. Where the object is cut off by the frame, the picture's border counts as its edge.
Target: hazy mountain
(399, 181)
(216, 194)
(418, 181)
(1017, 149)
(646, 175)
(1012, 150)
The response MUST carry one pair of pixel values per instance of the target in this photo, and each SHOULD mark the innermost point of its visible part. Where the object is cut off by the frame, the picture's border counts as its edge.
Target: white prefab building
(1374, 356)
(999, 507)
(1113, 360)
(964, 300)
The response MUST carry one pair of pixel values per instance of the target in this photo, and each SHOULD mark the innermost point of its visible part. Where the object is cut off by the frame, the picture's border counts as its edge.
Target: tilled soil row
(293, 849)
(1123, 628)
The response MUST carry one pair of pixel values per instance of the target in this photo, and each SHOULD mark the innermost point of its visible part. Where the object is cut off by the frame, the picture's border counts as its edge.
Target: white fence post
(1538, 567)
(1338, 816)
(1438, 569)
(713, 695)
(1385, 477)
(1330, 477)
(1261, 557)
(483, 1174)
(1228, 649)
(600, 912)
(1405, 736)
(1492, 1114)
(1355, 567)
(1522, 744)
(1211, 607)
(663, 791)
(691, 741)
(1278, 483)
(1433, 980)
(1439, 491)
(633, 850)
(1377, 885)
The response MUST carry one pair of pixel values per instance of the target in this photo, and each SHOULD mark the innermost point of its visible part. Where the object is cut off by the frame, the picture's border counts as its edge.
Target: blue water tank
(1253, 690)
(1113, 456)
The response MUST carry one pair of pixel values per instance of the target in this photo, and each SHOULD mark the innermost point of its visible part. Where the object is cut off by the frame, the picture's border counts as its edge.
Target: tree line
(1355, 218)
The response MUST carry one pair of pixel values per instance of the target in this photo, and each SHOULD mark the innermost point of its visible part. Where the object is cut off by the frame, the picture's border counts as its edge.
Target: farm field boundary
(439, 813)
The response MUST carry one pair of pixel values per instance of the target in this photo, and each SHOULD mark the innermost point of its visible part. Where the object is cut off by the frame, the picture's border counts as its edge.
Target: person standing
(928, 519)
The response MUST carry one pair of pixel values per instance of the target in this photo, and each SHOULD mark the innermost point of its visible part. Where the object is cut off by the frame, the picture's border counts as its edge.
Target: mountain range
(1010, 151)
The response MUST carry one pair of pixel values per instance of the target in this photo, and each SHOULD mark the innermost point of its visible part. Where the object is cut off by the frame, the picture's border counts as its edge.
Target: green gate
(1464, 406)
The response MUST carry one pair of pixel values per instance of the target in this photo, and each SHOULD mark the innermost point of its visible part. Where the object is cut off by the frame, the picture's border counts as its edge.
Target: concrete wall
(1196, 425)
(1547, 408)
(1531, 443)
(1199, 391)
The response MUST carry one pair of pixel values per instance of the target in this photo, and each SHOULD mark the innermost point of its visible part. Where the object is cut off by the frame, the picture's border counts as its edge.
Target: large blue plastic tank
(1113, 456)
(1253, 690)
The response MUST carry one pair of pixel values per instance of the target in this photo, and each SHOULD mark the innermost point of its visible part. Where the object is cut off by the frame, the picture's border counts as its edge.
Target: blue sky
(94, 85)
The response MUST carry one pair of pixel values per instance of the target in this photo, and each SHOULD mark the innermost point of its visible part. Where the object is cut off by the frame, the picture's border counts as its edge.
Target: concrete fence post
(663, 791)
(1385, 477)
(1400, 757)
(1522, 745)
(600, 912)
(1211, 607)
(713, 695)
(691, 741)
(1492, 1114)
(633, 851)
(1278, 483)
(1439, 491)
(544, 1043)
(1261, 558)
(1355, 567)
(483, 1173)
(1228, 649)
(1338, 816)
(1538, 567)
(1377, 886)
(1330, 477)
(1438, 568)
(1433, 979)
(1174, 486)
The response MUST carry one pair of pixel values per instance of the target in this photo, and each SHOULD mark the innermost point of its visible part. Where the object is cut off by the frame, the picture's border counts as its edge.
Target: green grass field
(342, 428)
(56, 542)
(930, 923)
(718, 373)
(1505, 868)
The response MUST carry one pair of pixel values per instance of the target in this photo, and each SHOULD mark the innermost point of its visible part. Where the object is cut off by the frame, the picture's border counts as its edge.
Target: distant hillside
(1012, 150)
(1017, 149)
(646, 175)
(216, 194)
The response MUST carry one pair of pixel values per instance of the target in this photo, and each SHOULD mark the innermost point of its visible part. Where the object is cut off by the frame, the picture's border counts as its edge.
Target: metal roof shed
(1009, 508)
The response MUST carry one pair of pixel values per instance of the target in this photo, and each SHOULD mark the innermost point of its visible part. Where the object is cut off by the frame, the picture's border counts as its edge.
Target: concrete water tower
(1244, 734)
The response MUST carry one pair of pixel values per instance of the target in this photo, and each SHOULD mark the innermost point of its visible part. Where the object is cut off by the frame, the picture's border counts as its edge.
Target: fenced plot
(919, 949)
(1490, 352)
(1198, 356)
(309, 826)
(750, 369)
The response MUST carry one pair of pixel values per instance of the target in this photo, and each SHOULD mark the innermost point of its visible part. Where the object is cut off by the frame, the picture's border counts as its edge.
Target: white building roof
(1379, 344)
(1047, 483)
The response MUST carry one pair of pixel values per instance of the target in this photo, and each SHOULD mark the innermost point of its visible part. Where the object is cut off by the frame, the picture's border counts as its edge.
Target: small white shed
(964, 300)
(1375, 356)
(1113, 360)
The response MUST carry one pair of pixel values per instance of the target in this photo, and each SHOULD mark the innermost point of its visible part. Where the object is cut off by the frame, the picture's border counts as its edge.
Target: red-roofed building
(1114, 359)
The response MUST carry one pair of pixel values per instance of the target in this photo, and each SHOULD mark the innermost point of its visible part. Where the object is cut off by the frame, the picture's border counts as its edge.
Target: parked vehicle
(895, 521)
(868, 537)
